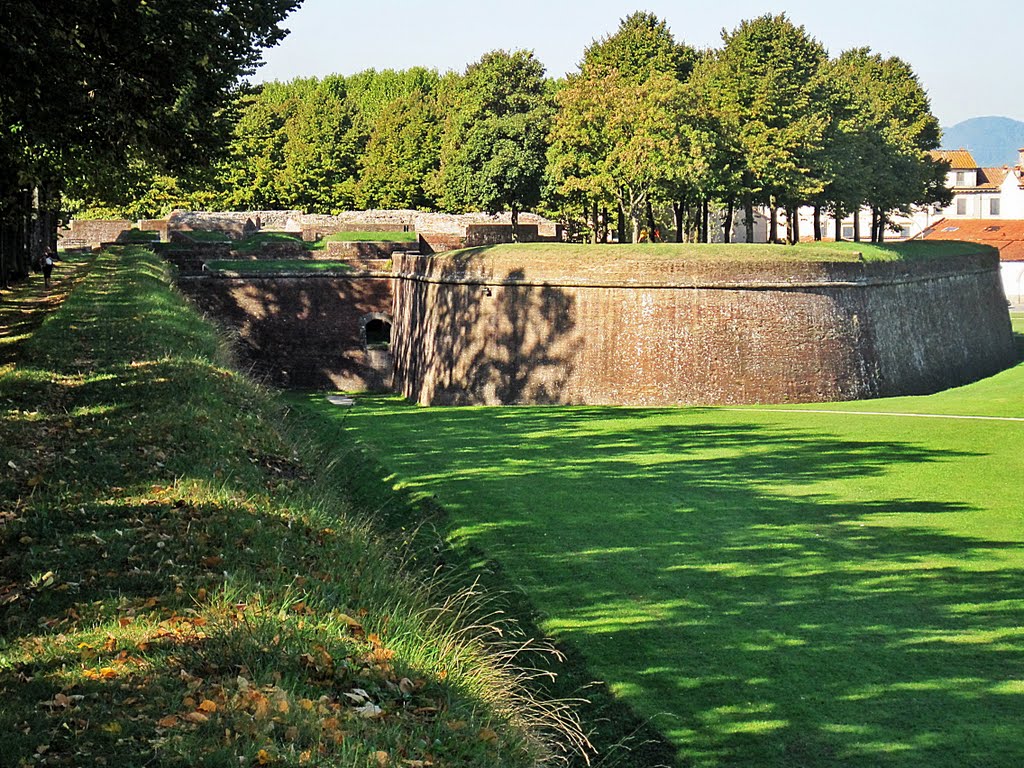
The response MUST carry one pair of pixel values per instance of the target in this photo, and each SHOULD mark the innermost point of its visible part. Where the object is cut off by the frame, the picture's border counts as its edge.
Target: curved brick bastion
(500, 325)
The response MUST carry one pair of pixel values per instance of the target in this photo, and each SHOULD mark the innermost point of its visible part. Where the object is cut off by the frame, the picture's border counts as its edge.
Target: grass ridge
(182, 581)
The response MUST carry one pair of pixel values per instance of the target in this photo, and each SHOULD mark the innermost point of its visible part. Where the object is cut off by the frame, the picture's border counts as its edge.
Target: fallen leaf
(112, 728)
(197, 717)
(487, 734)
(208, 706)
(167, 722)
(383, 758)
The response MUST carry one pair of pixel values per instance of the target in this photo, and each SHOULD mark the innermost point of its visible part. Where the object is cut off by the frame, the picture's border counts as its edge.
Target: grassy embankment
(844, 251)
(771, 586)
(183, 583)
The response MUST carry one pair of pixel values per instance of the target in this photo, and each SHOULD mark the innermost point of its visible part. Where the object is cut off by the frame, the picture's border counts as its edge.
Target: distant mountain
(993, 141)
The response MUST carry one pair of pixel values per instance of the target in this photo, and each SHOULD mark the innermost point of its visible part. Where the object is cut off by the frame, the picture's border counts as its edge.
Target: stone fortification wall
(301, 331)
(522, 328)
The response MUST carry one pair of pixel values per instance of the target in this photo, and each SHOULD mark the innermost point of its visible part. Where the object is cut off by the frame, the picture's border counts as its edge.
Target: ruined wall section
(485, 329)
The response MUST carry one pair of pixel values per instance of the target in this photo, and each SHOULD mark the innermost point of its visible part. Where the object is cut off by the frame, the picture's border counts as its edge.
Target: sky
(963, 53)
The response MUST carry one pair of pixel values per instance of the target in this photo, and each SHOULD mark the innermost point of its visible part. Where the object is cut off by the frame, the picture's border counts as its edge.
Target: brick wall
(90, 233)
(301, 331)
(638, 331)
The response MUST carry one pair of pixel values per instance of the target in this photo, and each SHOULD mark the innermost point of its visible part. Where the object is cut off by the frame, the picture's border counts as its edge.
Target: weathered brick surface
(90, 233)
(367, 250)
(301, 331)
(643, 331)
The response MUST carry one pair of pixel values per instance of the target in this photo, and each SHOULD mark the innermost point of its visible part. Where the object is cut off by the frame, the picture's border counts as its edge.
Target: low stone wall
(367, 250)
(90, 233)
(301, 331)
(647, 331)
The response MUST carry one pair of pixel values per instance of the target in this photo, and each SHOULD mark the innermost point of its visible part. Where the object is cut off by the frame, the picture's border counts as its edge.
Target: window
(961, 206)
(993, 206)
(950, 229)
(905, 232)
(847, 231)
(961, 178)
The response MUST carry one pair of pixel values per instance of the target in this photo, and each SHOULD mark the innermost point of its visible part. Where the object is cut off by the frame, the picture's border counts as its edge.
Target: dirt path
(25, 305)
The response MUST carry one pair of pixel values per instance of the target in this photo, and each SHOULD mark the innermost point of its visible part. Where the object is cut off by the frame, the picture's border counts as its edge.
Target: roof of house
(1005, 234)
(992, 177)
(958, 159)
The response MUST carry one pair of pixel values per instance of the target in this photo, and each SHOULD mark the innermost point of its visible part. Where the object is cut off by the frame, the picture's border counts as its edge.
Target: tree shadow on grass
(762, 620)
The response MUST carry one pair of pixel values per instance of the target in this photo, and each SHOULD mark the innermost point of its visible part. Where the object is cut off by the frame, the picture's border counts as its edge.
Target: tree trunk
(705, 215)
(678, 209)
(515, 224)
(634, 223)
(727, 230)
(817, 223)
(856, 226)
(874, 224)
(622, 225)
(604, 224)
(595, 222)
(839, 223)
(651, 226)
(773, 223)
(794, 225)
(748, 212)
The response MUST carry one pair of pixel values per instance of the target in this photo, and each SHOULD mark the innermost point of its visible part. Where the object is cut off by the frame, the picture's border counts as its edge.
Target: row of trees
(647, 126)
(93, 87)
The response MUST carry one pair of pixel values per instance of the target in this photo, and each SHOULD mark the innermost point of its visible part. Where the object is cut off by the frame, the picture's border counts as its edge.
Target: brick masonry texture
(487, 329)
(301, 331)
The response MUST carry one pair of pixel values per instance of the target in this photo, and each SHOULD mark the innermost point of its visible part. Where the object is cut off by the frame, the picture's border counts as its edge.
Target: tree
(402, 154)
(634, 158)
(768, 90)
(87, 83)
(613, 137)
(493, 151)
(886, 130)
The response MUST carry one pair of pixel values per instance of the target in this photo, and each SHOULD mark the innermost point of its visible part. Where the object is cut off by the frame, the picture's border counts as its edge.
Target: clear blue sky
(964, 53)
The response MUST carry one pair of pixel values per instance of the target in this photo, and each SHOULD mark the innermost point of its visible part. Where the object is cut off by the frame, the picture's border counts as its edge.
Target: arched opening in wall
(376, 331)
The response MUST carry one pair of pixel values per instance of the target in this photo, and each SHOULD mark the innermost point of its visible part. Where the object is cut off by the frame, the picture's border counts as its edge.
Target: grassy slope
(772, 588)
(178, 587)
(738, 251)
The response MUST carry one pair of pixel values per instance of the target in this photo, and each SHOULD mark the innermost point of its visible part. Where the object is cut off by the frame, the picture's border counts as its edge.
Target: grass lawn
(740, 252)
(250, 266)
(183, 581)
(770, 586)
(365, 237)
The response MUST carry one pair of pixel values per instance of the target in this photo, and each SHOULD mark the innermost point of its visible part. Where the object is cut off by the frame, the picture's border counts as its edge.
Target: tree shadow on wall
(299, 332)
(504, 342)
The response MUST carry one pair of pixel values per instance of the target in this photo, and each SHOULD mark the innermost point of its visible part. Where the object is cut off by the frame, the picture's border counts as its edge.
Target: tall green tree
(885, 132)
(494, 148)
(768, 88)
(88, 82)
(640, 65)
(402, 154)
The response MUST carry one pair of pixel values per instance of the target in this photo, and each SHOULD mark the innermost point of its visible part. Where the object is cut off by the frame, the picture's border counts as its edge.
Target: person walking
(47, 267)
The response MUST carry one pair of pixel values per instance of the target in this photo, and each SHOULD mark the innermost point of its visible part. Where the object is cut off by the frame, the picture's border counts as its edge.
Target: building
(1006, 235)
(982, 193)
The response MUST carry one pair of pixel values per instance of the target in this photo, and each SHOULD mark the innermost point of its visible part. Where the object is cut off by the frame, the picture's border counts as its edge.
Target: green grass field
(365, 237)
(769, 586)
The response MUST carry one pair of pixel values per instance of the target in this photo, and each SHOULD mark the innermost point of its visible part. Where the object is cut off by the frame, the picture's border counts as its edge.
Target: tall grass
(183, 581)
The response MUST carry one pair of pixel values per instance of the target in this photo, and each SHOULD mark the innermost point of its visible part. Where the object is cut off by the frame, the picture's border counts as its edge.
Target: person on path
(47, 267)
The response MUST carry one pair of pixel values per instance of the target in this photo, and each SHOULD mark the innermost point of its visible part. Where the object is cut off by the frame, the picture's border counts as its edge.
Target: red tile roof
(992, 178)
(958, 159)
(1005, 234)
